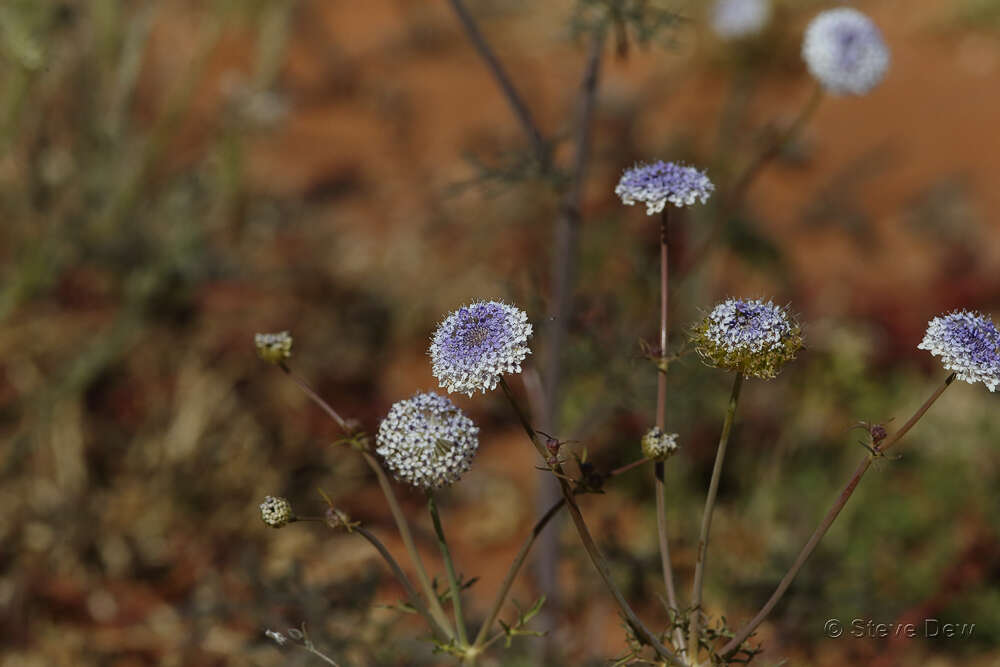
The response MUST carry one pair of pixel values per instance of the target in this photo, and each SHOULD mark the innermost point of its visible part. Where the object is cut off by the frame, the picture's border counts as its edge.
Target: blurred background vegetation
(177, 175)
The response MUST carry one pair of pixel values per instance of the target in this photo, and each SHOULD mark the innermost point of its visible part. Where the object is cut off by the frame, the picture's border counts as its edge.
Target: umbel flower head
(657, 445)
(475, 345)
(661, 182)
(273, 347)
(732, 19)
(426, 441)
(276, 511)
(845, 52)
(748, 336)
(967, 343)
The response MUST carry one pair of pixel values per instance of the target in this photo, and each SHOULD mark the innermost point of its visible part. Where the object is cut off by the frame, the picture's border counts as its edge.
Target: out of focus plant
(427, 442)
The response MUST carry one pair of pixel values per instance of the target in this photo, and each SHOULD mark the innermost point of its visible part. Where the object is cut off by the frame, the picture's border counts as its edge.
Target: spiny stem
(414, 598)
(661, 415)
(596, 557)
(512, 573)
(456, 592)
(706, 519)
(824, 525)
(390, 496)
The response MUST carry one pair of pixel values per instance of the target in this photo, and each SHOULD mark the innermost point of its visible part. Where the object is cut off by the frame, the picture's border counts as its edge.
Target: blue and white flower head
(426, 441)
(967, 343)
(733, 19)
(661, 182)
(748, 336)
(477, 344)
(845, 52)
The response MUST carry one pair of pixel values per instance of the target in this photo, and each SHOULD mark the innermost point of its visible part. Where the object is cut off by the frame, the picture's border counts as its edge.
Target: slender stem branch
(749, 174)
(319, 654)
(628, 466)
(706, 518)
(414, 598)
(316, 398)
(661, 414)
(824, 525)
(437, 611)
(773, 150)
(596, 557)
(564, 262)
(517, 104)
(515, 567)
(390, 496)
(456, 591)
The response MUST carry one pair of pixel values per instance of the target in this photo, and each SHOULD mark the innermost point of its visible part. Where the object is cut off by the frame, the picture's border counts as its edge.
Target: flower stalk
(435, 609)
(706, 518)
(593, 551)
(659, 468)
(734, 644)
(456, 591)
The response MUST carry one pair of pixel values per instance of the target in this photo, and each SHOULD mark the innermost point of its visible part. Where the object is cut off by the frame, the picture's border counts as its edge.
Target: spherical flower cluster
(273, 347)
(845, 52)
(276, 511)
(748, 336)
(661, 182)
(426, 441)
(657, 445)
(732, 19)
(475, 345)
(967, 343)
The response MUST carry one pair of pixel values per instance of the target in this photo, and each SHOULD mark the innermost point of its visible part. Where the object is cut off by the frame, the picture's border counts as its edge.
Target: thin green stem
(512, 573)
(456, 591)
(436, 610)
(596, 557)
(414, 598)
(734, 644)
(706, 520)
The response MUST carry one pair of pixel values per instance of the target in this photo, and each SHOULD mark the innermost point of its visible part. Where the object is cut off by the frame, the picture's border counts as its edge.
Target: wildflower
(844, 51)
(657, 445)
(732, 19)
(661, 182)
(476, 344)
(273, 347)
(748, 336)
(276, 511)
(426, 441)
(967, 343)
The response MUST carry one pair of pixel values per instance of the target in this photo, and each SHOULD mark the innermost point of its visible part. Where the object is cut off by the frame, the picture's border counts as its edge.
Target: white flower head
(657, 445)
(845, 51)
(967, 343)
(477, 344)
(426, 441)
(276, 511)
(733, 19)
(660, 183)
